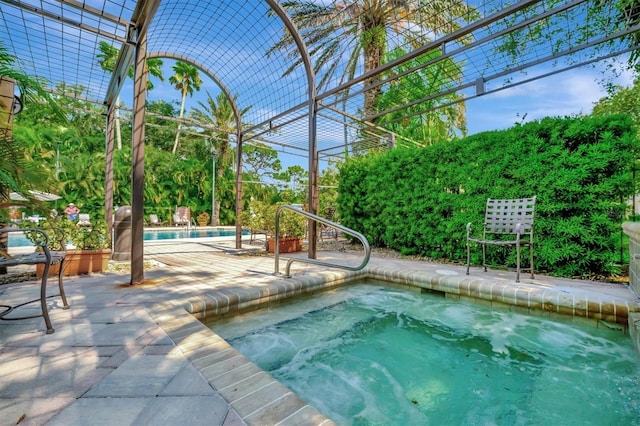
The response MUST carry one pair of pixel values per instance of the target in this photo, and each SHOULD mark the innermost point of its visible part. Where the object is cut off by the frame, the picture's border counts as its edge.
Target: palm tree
(15, 171)
(219, 114)
(360, 31)
(185, 79)
(107, 60)
(432, 120)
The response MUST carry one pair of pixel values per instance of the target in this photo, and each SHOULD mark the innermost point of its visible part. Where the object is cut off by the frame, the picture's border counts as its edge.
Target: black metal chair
(43, 256)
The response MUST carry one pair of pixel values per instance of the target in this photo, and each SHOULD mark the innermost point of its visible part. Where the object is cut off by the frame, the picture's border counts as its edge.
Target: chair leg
(468, 257)
(65, 305)
(517, 263)
(43, 299)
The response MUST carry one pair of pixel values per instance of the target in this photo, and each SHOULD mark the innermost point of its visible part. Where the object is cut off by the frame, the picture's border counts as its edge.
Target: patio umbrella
(38, 195)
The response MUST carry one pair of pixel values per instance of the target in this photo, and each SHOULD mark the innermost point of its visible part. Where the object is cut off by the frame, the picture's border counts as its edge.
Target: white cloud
(570, 93)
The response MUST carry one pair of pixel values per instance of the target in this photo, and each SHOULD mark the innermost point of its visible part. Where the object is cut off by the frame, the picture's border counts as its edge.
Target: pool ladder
(311, 216)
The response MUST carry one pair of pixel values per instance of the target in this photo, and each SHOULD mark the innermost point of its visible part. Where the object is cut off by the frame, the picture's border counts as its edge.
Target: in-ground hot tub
(258, 397)
(374, 354)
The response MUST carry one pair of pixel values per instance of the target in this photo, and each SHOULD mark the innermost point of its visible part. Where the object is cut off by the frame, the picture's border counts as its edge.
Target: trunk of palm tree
(374, 41)
(184, 98)
(223, 151)
(215, 220)
(372, 61)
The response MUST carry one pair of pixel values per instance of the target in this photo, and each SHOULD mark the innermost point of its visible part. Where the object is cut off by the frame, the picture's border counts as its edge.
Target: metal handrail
(359, 236)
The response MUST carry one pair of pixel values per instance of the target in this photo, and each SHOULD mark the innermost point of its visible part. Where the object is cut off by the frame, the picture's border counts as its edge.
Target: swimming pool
(179, 234)
(378, 355)
(19, 240)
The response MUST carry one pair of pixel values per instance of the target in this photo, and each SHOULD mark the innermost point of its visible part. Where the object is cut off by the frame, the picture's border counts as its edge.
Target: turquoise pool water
(367, 355)
(156, 234)
(19, 240)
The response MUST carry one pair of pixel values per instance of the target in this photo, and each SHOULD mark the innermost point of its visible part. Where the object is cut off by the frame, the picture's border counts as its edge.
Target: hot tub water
(376, 355)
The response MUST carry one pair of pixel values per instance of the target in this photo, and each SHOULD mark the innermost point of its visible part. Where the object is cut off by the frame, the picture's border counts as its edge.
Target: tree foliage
(159, 132)
(67, 152)
(422, 121)
(109, 55)
(219, 115)
(186, 79)
(17, 173)
(361, 32)
(626, 13)
(620, 100)
(31, 89)
(571, 29)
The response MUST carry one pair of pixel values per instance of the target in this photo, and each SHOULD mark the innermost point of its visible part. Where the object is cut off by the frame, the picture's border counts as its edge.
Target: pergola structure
(268, 57)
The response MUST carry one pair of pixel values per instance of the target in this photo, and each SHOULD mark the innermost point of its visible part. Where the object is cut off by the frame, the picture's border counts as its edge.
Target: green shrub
(94, 237)
(261, 217)
(418, 201)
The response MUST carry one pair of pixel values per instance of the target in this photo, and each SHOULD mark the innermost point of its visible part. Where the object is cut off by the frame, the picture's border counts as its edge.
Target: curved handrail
(359, 236)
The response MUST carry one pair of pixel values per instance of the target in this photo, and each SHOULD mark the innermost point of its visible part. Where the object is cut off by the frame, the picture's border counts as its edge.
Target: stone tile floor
(132, 355)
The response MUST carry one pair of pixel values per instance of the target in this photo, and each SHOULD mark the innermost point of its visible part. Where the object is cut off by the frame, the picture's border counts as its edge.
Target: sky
(568, 93)
(565, 94)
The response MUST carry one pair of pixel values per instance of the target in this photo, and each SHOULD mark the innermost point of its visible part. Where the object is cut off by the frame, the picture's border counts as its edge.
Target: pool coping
(258, 398)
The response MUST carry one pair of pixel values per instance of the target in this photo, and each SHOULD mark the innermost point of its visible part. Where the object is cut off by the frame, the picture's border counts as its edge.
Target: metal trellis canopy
(269, 57)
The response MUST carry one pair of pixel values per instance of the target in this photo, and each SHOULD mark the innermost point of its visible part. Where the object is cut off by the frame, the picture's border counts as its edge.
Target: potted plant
(260, 217)
(292, 229)
(253, 218)
(88, 248)
(203, 219)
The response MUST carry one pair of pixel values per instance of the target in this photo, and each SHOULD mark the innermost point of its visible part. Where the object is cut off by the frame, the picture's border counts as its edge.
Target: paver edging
(219, 362)
(192, 336)
(634, 329)
(515, 294)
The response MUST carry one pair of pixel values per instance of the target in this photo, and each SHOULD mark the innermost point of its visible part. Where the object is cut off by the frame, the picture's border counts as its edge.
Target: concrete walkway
(125, 355)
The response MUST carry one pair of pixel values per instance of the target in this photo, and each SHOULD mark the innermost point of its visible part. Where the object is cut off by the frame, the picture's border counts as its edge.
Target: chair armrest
(39, 238)
(42, 237)
(518, 230)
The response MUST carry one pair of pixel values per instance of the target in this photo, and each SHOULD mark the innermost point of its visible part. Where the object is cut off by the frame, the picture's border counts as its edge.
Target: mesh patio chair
(506, 223)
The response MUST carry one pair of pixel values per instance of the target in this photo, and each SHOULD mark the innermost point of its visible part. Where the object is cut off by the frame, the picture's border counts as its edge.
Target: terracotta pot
(287, 245)
(80, 262)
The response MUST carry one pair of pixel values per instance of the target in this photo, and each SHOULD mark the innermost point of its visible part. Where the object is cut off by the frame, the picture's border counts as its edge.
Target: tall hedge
(418, 201)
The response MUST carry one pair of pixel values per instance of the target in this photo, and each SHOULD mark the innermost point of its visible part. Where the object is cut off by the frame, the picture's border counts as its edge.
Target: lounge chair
(154, 221)
(182, 216)
(179, 221)
(84, 220)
